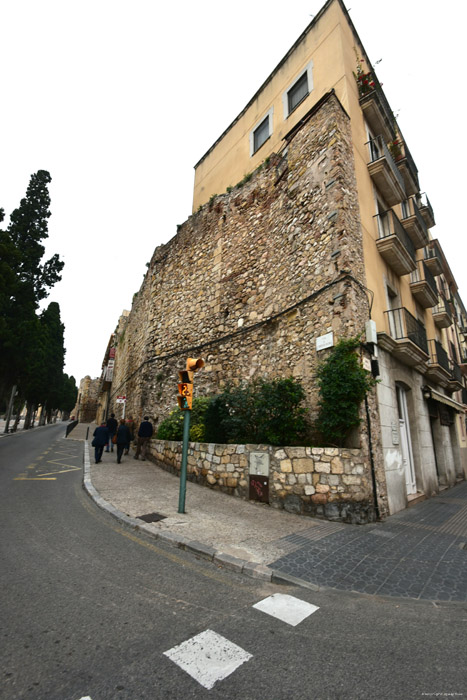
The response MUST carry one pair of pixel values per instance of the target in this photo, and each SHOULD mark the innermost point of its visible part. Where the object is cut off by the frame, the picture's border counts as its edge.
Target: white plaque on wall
(259, 463)
(325, 341)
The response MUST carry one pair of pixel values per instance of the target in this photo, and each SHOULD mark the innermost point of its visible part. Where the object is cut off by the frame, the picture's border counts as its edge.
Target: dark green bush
(171, 428)
(343, 384)
(258, 412)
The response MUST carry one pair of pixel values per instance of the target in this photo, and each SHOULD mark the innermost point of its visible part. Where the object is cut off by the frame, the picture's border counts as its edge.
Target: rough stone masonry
(251, 280)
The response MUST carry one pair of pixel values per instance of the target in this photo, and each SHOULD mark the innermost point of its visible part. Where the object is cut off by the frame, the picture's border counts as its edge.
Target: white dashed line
(286, 608)
(208, 657)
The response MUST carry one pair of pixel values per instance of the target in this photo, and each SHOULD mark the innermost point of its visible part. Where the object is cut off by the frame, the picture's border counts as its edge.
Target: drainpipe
(372, 461)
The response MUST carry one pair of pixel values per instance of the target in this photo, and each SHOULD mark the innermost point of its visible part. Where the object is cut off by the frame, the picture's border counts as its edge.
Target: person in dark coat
(123, 438)
(112, 426)
(144, 435)
(101, 438)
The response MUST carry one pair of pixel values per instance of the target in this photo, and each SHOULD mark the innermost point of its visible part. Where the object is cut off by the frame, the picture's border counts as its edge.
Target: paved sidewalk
(418, 553)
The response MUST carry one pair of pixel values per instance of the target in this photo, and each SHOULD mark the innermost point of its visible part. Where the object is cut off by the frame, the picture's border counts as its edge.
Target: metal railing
(464, 396)
(432, 250)
(422, 274)
(438, 355)
(389, 225)
(402, 325)
(415, 211)
(410, 162)
(378, 149)
(442, 307)
(456, 372)
(423, 202)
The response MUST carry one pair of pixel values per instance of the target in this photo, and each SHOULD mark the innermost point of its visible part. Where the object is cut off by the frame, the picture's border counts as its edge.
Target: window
(298, 91)
(261, 132)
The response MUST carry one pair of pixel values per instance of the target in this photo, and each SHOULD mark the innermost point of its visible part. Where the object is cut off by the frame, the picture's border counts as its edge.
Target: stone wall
(319, 481)
(254, 278)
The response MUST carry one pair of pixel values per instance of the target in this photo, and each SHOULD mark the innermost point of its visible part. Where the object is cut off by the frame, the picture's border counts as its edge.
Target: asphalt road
(90, 609)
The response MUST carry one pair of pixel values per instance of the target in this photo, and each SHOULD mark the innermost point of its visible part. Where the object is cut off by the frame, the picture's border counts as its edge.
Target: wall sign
(325, 341)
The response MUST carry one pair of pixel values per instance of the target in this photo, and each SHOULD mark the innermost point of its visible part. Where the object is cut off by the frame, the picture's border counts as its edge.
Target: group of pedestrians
(121, 434)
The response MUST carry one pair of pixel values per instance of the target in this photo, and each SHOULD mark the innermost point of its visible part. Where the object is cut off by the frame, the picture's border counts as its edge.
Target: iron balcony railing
(456, 372)
(464, 396)
(438, 355)
(378, 149)
(432, 250)
(402, 325)
(421, 274)
(389, 225)
(423, 202)
(410, 162)
(412, 209)
(442, 307)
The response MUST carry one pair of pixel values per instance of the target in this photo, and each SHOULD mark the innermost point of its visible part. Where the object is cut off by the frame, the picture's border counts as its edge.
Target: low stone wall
(329, 482)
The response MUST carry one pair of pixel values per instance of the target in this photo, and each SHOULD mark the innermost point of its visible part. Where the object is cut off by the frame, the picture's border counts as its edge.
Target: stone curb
(240, 566)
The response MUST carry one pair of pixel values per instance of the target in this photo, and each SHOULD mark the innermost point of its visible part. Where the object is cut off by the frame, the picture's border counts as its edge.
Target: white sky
(118, 100)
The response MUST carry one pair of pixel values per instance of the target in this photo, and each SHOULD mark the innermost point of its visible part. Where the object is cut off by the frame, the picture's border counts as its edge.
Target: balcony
(463, 365)
(442, 313)
(405, 338)
(426, 210)
(455, 382)
(464, 396)
(377, 111)
(384, 173)
(438, 370)
(423, 286)
(414, 223)
(409, 171)
(433, 258)
(394, 245)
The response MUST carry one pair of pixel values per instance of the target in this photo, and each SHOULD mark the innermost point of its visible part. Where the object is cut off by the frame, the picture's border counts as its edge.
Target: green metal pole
(186, 437)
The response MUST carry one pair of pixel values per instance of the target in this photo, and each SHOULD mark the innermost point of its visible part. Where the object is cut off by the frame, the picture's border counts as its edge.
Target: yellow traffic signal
(185, 383)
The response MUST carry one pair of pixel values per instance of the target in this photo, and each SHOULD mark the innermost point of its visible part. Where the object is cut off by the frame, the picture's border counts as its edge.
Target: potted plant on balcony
(365, 79)
(395, 148)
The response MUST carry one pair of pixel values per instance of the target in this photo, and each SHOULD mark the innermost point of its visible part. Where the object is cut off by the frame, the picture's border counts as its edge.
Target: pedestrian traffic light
(185, 383)
(185, 390)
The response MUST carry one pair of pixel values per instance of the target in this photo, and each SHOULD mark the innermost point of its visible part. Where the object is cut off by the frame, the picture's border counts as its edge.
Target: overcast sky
(118, 100)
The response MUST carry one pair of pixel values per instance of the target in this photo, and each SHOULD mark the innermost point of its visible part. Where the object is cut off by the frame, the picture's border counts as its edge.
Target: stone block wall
(320, 481)
(254, 278)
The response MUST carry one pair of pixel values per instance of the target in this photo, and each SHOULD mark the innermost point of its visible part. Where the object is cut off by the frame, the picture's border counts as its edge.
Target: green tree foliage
(259, 412)
(31, 345)
(343, 384)
(171, 428)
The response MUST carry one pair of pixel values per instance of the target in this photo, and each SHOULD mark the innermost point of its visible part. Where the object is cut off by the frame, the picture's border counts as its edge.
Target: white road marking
(286, 608)
(208, 657)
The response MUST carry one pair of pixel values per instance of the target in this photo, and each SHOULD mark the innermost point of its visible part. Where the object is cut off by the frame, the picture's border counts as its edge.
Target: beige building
(309, 226)
(419, 324)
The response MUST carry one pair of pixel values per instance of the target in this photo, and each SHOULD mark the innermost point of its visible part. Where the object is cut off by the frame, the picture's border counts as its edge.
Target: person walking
(131, 425)
(123, 437)
(101, 438)
(112, 426)
(144, 435)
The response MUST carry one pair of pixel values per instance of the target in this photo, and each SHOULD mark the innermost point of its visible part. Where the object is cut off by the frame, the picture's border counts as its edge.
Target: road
(91, 609)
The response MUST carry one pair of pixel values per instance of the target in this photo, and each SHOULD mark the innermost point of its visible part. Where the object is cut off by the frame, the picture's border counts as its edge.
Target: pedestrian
(131, 425)
(112, 426)
(101, 438)
(123, 436)
(144, 435)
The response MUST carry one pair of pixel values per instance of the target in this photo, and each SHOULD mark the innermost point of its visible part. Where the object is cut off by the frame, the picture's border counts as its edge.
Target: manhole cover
(151, 517)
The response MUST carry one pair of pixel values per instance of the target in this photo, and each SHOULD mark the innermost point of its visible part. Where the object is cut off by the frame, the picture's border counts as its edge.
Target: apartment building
(418, 340)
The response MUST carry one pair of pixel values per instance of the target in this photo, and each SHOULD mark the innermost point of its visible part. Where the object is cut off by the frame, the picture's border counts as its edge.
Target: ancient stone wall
(329, 482)
(254, 278)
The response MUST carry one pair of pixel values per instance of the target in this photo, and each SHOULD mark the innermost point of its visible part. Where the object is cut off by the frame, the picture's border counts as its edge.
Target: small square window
(298, 92)
(261, 134)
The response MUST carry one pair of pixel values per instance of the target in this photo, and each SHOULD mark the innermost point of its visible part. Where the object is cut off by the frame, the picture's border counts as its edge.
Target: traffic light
(185, 383)
(185, 390)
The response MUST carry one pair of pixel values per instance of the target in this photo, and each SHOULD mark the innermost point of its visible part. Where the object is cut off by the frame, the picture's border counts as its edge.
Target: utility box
(259, 477)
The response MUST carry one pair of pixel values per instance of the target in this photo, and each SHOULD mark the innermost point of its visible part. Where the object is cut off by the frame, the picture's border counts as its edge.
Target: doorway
(406, 442)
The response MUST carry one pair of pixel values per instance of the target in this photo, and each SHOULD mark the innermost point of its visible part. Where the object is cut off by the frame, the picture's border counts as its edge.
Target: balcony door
(406, 442)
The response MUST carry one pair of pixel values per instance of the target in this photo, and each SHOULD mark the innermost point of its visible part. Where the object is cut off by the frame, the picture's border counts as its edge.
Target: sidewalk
(418, 553)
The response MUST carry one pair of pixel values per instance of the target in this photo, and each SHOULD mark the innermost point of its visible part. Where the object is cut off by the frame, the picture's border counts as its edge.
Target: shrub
(343, 384)
(171, 428)
(258, 412)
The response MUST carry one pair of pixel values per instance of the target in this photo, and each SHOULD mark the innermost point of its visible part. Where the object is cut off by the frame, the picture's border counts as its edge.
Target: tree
(24, 283)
